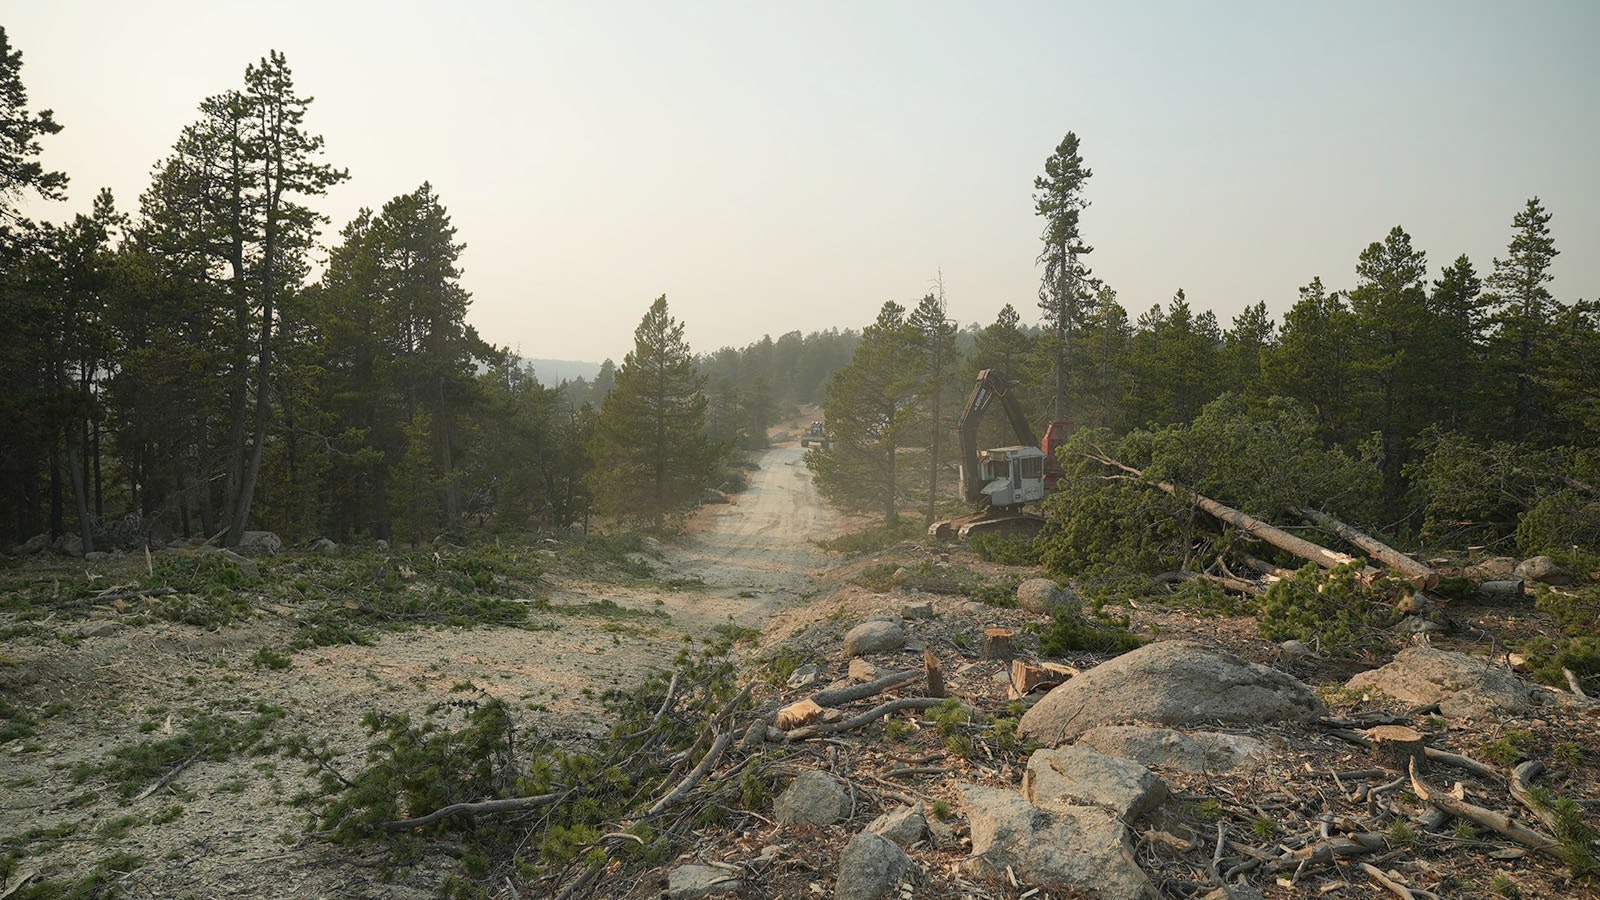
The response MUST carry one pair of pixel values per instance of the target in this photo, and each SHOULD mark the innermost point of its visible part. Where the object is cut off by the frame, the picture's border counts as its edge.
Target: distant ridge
(551, 372)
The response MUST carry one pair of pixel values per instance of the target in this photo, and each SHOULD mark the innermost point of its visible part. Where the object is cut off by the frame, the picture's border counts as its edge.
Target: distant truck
(814, 436)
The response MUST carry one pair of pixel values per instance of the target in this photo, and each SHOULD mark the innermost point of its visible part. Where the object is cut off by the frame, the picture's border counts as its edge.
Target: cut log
(1420, 574)
(1249, 524)
(996, 644)
(934, 674)
(1488, 818)
(1027, 677)
(796, 714)
(1397, 748)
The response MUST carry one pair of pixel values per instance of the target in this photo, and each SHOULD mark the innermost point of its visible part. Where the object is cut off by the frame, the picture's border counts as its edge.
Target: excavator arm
(992, 386)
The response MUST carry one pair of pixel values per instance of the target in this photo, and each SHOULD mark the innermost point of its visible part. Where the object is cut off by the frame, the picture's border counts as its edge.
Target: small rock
(1542, 569)
(1078, 776)
(68, 545)
(246, 565)
(381, 544)
(805, 676)
(871, 637)
(870, 868)
(689, 881)
(920, 610)
(324, 545)
(905, 826)
(862, 671)
(814, 798)
(1041, 595)
(101, 628)
(1293, 651)
(260, 543)
(1492, 567)
(1236, 892)
(35, 544)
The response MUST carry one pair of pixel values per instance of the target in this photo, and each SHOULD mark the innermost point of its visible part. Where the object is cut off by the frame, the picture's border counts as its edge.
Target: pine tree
(652, 459)
(936, 349)
(20, 131)
(871, 405)
(1392, 324)
(1066, 292)
(1522, 307)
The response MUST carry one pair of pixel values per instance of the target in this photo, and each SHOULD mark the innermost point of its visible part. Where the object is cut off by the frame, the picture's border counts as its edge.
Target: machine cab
(1012, 476)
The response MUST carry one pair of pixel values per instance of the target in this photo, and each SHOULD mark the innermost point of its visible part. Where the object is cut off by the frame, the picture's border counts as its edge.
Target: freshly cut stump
(996, 644)
(1396, 747)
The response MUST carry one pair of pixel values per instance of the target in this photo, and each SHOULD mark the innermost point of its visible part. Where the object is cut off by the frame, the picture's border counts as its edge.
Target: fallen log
(1420, 574)
(1488, 818)
(862, 719)
(1247, 523)
(863, 691)
(1522, 789)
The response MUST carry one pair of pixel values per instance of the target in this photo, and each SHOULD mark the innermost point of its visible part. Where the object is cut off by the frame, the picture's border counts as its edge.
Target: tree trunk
(1250, 525)
(1420, 574)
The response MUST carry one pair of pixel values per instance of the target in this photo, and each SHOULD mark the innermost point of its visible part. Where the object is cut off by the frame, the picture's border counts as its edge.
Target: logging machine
(1002, 480)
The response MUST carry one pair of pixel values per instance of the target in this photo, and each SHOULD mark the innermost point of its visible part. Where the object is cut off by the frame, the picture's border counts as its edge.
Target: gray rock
(35, 544)
(873, 636)
(815, 798)
(1294, 651)
(1236, 892)
(260, 543)
(905, 826)
(1041, 595)
(101, 628)
(920, 610)
(870, 867)
(1083, 846)
(1078, 776)
(805, 676)
(1542, 569)
(700, 881)
(1464, 686)
(324, 545)
(1199, 752)
(1169, 683)
(68, 545)
(381, 545)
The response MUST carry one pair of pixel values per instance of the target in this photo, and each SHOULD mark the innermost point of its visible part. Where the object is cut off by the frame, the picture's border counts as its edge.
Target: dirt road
(227, 828)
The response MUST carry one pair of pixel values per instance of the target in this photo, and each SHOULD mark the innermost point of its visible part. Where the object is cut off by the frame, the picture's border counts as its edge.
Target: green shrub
(1006, 549)
(1068, 633)
(1333, 608)
(875, 538)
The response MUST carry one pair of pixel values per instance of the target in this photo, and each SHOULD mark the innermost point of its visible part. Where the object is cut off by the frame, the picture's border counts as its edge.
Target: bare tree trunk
(1420, 574)
(1250, 525)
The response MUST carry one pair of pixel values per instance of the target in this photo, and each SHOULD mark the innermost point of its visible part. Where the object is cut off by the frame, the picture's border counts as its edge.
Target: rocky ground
(1207, 761)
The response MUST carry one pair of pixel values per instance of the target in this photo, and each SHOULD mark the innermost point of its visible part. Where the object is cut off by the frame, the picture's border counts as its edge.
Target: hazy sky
(781, 166)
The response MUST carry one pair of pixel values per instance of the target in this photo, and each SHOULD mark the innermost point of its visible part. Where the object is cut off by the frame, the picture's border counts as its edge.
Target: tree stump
(1028, 677)
(934, 673)
(1396, 746)
(996, 644)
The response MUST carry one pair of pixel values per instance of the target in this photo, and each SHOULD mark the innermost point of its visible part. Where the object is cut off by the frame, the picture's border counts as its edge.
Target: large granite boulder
(871, 867)
(1078, 776)
(1464, 686)
(1169, 683)
(888, 633)
(1198, 752)
(1082, 846)
(814, 798)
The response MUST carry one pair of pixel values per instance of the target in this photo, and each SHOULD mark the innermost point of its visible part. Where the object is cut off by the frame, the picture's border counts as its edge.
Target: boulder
(921, 609)
(1464, 686)
(260, 543)
(1198, 752)
(1041, 595)
(870, 867)
(324, 546)
(1542, 569)
(689, 881)
(1082, 846)
(35, 544)
(100, 628)
(815, 798)
(1078, 776)
(1169, 683)
(68, 545)
(905, 826)
(875, 635)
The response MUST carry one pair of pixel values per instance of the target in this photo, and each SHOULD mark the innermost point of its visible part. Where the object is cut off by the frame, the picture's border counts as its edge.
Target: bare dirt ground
(227, 828)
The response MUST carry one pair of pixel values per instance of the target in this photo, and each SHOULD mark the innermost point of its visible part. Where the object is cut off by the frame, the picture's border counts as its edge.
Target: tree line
(176, 372)
(1433, 378)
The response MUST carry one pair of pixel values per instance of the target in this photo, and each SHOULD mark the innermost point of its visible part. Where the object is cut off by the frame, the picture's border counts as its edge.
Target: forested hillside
(184, 367)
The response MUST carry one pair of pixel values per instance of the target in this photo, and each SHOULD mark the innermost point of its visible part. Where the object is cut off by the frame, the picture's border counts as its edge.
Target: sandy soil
(237, 834)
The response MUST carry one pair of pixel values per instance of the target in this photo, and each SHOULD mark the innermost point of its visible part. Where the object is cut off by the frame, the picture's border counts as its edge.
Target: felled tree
(652, 458)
